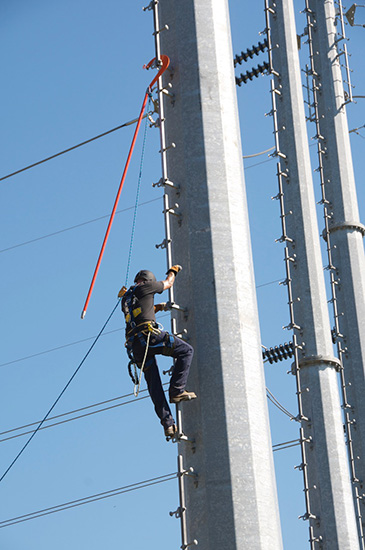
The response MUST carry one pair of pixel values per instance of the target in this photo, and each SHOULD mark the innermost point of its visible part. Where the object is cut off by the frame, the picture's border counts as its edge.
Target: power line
(55, 349)
(75, 226)
(91, 337)
(75, 417)
(71, 148)
(266, 284)
(112, 493)
(65, 346)
(70, 419)
(285, 445)
(272, 157)
(272, 399)
(61, 394)
(91, 498)
(258, 163)
(278, 405)
(257, 154)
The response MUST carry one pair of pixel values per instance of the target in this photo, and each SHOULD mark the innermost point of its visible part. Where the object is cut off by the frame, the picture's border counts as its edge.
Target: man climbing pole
(144, 340)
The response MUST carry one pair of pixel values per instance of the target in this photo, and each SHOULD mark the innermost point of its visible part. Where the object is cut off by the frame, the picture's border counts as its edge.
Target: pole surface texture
(230, 495)
(343, 229)
(331, 511)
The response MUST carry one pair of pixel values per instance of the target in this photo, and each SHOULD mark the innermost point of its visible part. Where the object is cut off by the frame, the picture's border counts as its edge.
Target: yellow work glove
(160, 307)
(174, 269)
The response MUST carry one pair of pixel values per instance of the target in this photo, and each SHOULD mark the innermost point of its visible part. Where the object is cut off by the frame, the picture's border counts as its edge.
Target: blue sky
(70, 71)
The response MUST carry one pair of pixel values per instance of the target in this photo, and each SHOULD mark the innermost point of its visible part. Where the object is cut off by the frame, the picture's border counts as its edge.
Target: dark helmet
(145, 275)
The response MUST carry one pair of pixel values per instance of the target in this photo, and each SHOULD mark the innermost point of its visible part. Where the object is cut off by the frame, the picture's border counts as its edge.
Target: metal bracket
(183, 335)
(164, 244)
(167, 92)
(174, 212)
(300, 467)
(307, 516)
(292, 326)
(153, 123)
(178, 512)
(181, 437)
(164, 28)
(193, 543)
(164, 182)
(150, 6)
(172, 305)
(317, 539)
(321, 359)
(349, 226)
(169, 371)
(190, 472)
(284, 238)
(172, 146)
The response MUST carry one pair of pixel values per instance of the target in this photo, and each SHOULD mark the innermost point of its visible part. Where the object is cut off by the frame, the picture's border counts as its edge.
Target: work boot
(184, 396)
(170, 431)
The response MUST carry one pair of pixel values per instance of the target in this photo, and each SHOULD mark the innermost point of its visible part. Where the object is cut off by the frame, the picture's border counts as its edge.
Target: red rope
(165, 63)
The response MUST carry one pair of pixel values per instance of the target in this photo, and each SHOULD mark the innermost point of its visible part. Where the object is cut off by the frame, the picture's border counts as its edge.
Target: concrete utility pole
(232, 503)
(330, 508)
(343, 231)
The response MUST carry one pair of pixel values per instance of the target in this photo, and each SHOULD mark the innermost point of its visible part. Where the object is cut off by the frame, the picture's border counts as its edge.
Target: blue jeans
(163, 344)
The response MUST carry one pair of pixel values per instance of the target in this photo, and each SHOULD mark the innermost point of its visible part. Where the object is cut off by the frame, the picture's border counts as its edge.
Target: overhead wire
(258, 163)
(76, 226)
(266, 284)
(56, 349)
(64, 346)
(257, 154)
(71, 148)
(285, 445)
(91, 337)
(71, 419)
(70, 412)
(278, 405)
(75, 417)
(89, 499)
(56, 417)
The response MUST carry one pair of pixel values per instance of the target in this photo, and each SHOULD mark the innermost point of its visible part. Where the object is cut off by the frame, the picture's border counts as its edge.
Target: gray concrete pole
(343, 231)
(230, 497)
(330, 508)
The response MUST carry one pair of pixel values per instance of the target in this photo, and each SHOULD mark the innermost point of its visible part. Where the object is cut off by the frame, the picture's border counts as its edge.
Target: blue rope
(60, 395)
(137, 195)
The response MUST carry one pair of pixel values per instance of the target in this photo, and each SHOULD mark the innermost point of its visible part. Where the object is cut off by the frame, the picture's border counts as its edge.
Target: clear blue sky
(71, 70)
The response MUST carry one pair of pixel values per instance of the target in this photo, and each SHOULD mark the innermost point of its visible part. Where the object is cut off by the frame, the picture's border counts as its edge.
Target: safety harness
(142, 331)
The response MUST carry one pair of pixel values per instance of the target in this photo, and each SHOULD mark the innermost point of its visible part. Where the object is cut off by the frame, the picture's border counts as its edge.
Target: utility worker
(144, 340)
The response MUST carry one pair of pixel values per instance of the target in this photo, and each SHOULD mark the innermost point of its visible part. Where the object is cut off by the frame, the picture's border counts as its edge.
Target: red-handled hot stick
(165, 63)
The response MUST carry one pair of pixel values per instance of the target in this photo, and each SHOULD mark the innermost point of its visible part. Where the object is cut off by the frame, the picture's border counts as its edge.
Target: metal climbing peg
(164, 28)
(169, 371)
(172, 146)
(164, 244)
(150, 6)
(190, 472)
(178, 512)
(174, 211)
(172, 305)
(165, 182)
(193, 543)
